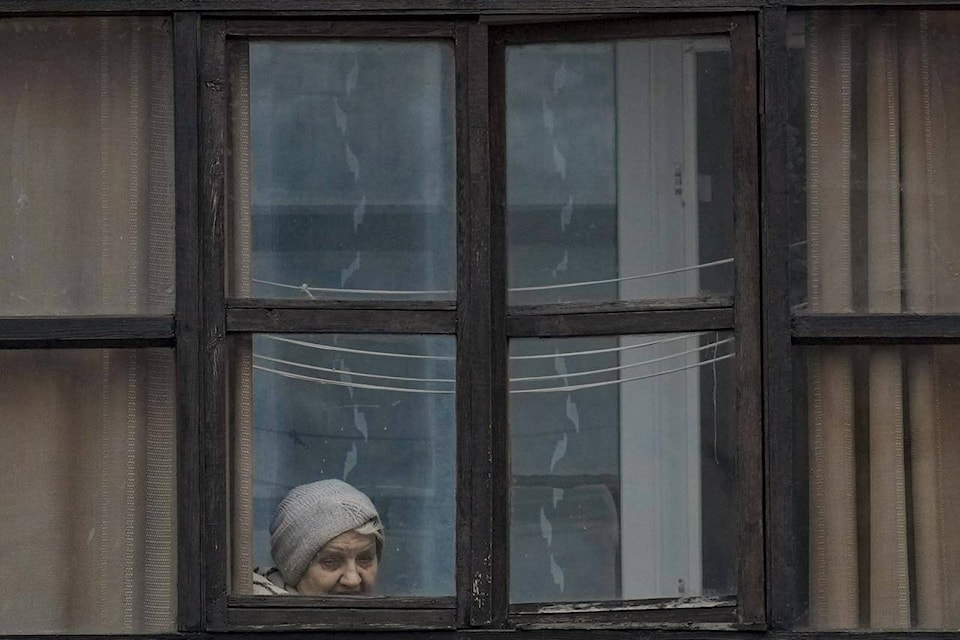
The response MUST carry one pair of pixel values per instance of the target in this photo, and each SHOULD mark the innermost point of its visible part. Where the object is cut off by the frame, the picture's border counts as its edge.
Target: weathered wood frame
(741, 314)
(226, 316)
(198, 328)
(482, 323)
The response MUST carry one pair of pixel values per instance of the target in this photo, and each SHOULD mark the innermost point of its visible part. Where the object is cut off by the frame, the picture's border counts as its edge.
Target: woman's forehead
(350, 541)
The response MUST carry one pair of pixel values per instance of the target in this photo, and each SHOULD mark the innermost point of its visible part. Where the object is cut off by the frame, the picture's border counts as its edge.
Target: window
(392, 242)
(88, 435)
(873, 151)
(344, 182)
(619, 199)
(607, 318)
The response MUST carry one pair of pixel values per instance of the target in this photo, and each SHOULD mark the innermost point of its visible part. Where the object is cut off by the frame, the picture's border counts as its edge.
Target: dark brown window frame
(785, 329)
(195, 342)
(226, 316)
(179, 332)
(741, 314)
(483, 324)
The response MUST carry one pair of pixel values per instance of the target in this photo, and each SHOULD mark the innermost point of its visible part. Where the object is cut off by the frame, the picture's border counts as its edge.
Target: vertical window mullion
(496, 168)
(188, 329)
(782, 544)
(213, 87)
(481, 346)
(465, 431)
(750, 592)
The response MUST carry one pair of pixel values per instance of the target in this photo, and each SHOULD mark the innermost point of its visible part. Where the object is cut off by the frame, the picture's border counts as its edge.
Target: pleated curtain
(883, 174)
(240, 223)
(87, 437)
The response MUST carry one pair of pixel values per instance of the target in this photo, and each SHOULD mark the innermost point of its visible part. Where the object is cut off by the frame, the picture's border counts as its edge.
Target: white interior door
(658, 230)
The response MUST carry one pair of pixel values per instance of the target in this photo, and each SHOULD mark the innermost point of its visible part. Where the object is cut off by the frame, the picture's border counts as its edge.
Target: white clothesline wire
(577, 374)
(391, 354)
(307, 289)
(672, 356)
(541, 356)
(567, 285)
(355, 385)
(591, 385)
(350, 373)
(380, 292)
(328, 347)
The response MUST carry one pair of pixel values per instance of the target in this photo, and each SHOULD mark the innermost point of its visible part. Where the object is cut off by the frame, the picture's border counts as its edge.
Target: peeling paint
(680, 603)
(478, 591)
(671, 626)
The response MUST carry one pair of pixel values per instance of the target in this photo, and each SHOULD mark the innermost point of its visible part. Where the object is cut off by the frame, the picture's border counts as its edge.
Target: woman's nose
(350, 577)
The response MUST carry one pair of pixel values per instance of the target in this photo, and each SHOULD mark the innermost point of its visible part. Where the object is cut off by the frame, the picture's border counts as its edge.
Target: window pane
(344, 170)
(881, 446)
(86, 166)
(87, 491)
(875, 161)
(623, 453)
(377, 412)
(619, 170)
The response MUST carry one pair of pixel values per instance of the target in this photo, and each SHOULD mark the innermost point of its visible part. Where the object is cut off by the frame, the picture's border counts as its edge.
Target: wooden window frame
(178, 332)
(784, 329)
(225, 316)
(739, 314)
(203, 317)
(482, 323)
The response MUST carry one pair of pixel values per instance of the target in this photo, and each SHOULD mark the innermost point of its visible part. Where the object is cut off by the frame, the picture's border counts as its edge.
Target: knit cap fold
(312, 515)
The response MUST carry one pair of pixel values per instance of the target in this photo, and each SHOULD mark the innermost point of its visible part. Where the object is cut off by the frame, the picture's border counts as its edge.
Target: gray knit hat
(311, 516)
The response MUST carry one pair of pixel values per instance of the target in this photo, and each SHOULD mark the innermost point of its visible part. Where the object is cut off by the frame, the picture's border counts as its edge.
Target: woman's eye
(365, 560)
(329, 563)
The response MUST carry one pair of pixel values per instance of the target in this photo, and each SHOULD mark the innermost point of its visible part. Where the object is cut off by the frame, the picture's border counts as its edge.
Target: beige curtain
(883, 191)
(241, 347)
(87, 437)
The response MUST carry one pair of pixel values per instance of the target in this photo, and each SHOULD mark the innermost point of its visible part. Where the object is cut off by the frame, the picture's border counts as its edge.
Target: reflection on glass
(623, 467)
(344, 170)
(86, 166)
(619, 170)
(373, 414)
(874, 152)
(877, 432)
(88, 491)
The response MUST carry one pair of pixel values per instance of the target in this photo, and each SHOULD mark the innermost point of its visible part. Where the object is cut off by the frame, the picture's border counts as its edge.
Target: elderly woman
(326, 539)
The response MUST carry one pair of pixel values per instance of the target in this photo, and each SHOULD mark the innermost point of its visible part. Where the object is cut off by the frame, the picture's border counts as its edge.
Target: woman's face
(347, 565)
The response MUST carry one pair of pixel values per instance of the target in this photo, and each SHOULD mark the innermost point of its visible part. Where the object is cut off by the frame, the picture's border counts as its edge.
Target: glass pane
(878, 437)
(86, 166)
(619, 170)
(623, 453)
(87, 491)
(874, 161)
(344, 170)
(375, 412)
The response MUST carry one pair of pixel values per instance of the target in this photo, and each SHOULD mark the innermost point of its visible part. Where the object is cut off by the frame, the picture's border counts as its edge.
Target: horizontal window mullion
(875, 328)
(389, 8)
(344, 619)
(498, 9)
(611, 632)
(335, 29)
(341, 602)
(618, 323)
(340, 305)
(667, 304)
(622, 606)
(72, 332)
(624, 28)
(561, 617)
(241, 320)
(840, 4)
